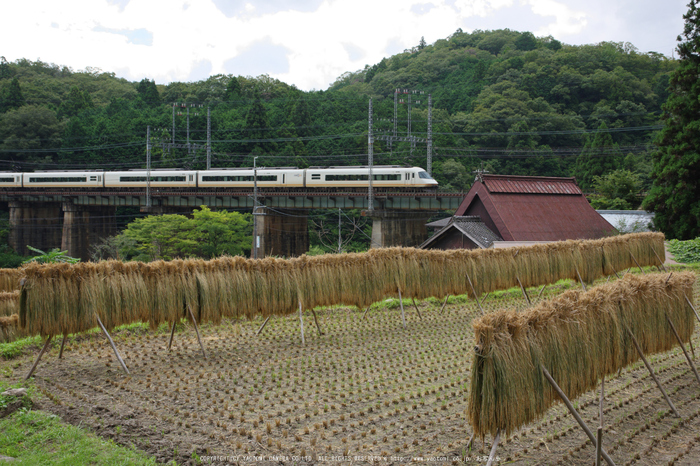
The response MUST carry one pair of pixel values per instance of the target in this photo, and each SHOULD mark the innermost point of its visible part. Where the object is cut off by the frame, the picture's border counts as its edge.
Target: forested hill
(515, 103)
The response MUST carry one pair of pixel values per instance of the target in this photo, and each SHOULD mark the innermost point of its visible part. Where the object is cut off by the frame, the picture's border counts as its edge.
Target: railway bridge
(75, 219)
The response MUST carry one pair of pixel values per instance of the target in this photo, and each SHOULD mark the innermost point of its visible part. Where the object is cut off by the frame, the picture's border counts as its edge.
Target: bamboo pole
(63, 343)
(41, 353)
(366, 311)
(475, 296)
(583, 285)
(687, 356)
(635, 261)
(172, 335)
(541, 290)
(301, 321)
(111, 342)
(692, 307)
(523, 290)
(316, 320)
(651, 371)
(492, 454)
(599, 445)
(661, 263)
(262, 326)
(444, 303)
(196, 329)
(483, 300)
(576, 415)
(403, 316)
(469, 443)
(417, 310)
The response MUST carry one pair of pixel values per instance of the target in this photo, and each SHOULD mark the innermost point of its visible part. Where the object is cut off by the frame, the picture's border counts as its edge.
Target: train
(383, 176)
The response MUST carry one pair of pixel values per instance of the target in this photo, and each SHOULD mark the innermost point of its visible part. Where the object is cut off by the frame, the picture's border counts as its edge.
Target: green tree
(148, 92)
(207, 235)
(11, 97)
(619, 189)
(233, 90)
(675, 192)
(598, 158)
(76, 101)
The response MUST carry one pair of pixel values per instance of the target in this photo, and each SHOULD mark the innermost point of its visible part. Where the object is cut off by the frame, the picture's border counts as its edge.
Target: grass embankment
(36, 437)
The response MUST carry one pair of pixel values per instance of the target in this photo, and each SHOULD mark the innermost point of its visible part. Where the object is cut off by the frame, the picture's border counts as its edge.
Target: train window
(347, 177)
(235, 178)
(315, 176)
(58, 179)
(142, 179)
(7, 180)
(99, 177)
(424, 175)
(386, 177)
(93, 178)
(191, 177)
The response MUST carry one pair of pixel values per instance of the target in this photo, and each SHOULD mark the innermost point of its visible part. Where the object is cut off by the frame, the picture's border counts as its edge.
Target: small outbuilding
(522, 209)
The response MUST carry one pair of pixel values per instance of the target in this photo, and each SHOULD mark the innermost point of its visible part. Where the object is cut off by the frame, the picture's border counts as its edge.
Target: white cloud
(310, 42)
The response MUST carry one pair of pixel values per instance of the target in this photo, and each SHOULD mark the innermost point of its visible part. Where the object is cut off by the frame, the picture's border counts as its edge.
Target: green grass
(36, 437)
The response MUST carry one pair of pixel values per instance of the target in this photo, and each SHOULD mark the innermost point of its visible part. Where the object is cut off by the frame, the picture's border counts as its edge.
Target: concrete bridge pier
(398, 228)
(281, 232)
(34, 224)
(84, 226)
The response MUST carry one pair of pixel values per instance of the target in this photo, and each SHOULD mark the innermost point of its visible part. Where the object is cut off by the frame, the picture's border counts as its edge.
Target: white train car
(159, 179)
(71, 179)
(246, 178)
(10, 180)
(358, 177)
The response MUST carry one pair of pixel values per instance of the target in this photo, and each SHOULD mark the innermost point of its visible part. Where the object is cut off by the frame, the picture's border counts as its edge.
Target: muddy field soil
(365, 390)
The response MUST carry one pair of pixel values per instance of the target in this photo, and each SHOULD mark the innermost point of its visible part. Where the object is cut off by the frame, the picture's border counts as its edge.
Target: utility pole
(209, 138)
(148, 167)
(255, 206)
(340, 240)
(370, 157)
(429, 166)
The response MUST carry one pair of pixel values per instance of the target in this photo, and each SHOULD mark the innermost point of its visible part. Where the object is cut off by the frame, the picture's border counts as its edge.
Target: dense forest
(504, 101)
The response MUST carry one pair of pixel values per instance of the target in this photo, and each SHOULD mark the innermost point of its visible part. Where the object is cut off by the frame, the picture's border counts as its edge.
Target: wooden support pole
(692, 350)
(599, 445)
(172, 335)
(403, 316)
(635, 261)
(474, 293)
(583, 285)
(492, 454)
(661, 263)
(196, 329)
(469, 443)
(616, 274)
(651, 371)
(316, 320)
(262, 326)
(692, 307)
(687, 356)
(366, 311)
(541, 290)
(417, 310)
(301, 321)
(444, 303)
(41, 353)
(483, 300)
(111, 342)
(523, 290)
(574, 413)
(63, 344)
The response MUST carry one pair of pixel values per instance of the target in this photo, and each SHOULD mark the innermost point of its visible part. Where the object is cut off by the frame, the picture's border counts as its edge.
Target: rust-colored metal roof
(530, 184)
(518, 208)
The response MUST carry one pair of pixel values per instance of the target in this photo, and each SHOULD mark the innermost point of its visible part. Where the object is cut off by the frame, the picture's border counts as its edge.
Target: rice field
(366, 390)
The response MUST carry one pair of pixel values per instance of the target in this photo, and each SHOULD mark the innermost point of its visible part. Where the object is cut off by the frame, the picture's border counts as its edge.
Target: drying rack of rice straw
(561, 348)
(60, 299)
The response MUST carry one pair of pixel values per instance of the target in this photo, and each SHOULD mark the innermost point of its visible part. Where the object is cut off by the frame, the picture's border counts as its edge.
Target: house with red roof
(520, 209)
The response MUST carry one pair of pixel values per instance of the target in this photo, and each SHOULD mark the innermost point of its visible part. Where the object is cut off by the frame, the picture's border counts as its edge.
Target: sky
(307, 43)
